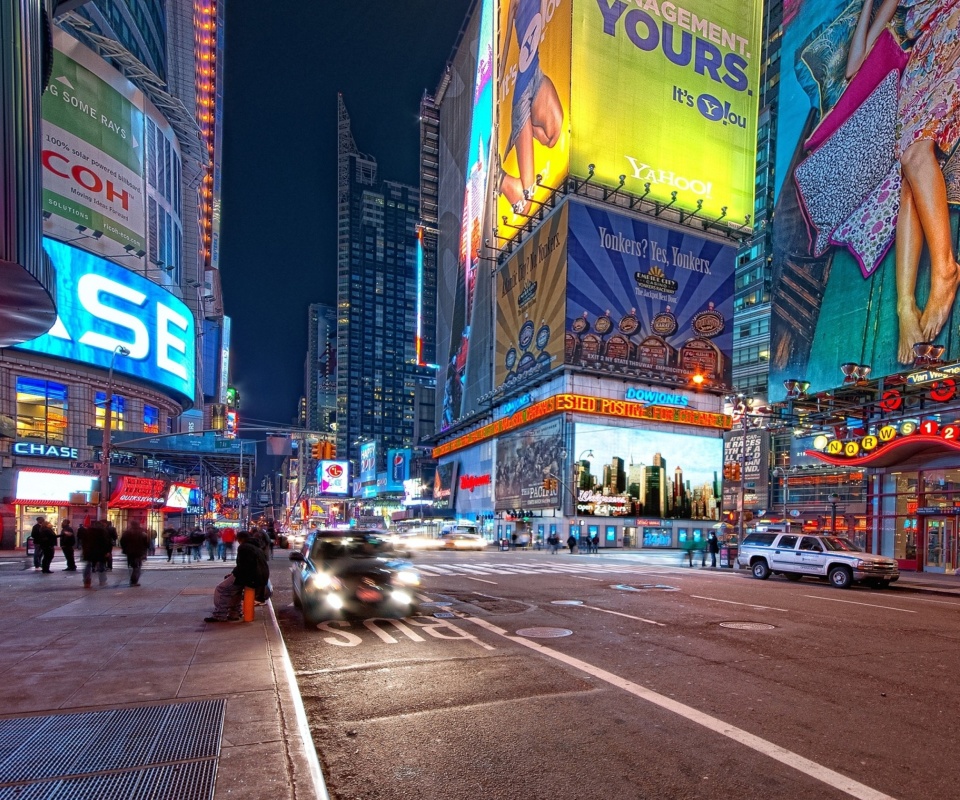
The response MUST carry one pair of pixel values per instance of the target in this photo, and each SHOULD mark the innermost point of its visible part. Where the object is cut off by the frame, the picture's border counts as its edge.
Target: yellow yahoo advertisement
(665, 98)
(531, 305)
(533, 106)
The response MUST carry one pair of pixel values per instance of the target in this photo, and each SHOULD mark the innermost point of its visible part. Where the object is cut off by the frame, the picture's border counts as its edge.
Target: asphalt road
(562, 677)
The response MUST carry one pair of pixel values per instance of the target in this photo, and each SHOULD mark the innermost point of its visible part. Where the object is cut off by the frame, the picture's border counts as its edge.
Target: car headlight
(407, 577)
(402, 597)
(324, 581)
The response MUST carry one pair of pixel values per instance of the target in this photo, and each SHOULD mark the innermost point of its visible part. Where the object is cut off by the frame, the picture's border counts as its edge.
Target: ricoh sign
(102, 306)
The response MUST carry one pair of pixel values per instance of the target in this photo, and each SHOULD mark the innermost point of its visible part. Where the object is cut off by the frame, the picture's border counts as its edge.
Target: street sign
(223, 444)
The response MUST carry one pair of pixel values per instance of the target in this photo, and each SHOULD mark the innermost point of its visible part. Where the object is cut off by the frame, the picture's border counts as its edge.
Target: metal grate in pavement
(192, 781)
(116, 753)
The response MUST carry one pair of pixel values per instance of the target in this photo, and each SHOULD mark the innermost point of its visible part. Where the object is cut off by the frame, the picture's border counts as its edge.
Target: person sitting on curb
(252, 571)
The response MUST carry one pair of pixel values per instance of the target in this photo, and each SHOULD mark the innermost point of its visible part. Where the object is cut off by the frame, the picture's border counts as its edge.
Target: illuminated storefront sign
(35, 487)
(102, 306)
(651, 396)
(333, 477)
(138, 493)
(690, 136)
(470, 482)
(584, 404)
(885, 435)
(45, 450)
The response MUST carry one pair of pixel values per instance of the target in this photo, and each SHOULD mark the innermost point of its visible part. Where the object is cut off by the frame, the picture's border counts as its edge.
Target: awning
(896, 452)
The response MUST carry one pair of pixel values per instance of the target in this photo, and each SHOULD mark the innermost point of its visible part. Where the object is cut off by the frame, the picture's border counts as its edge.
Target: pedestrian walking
(135, 544)
(571, 542)
(94, 540)
(45, 542)
(227, 538)
(197, 537)
(252, 570)
(114, 538)
(595, 544)
(168, 534)
(213, 543)
(554, 541)
(688, 546)
(713, 546)
(68, 541)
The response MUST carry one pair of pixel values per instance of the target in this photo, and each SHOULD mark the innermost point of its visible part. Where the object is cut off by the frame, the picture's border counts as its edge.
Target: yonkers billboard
(525, 461)
(635, 299)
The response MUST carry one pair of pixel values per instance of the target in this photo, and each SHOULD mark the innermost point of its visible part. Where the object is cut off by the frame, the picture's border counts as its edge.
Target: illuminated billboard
(526, 461)
(530, 305)
(472, 219)
(102, 306)
(398, 469)
(93, 153)
(368, 469)
(868, 188)
(638, 472)
(665, 95)
(533, 104)
(333, 477)
(445, 485)
(647, 300)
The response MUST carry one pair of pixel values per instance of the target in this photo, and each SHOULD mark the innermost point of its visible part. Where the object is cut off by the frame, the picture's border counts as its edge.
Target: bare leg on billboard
(922, 172)
(908, 246)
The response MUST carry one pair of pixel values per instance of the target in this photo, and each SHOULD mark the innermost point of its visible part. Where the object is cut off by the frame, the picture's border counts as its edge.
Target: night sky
(285, 62)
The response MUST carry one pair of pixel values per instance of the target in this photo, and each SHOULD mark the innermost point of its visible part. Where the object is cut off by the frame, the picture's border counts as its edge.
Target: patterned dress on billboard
(929, 102)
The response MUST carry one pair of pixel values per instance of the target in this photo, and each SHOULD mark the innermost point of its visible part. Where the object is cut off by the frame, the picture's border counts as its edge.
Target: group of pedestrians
(711, 546)
(191, 543)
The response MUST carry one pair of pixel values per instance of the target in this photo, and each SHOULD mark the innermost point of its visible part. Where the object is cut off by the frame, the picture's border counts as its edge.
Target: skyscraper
(320, 378)
(378, 369)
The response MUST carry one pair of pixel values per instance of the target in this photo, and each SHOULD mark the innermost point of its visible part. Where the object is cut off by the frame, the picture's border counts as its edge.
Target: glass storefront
(918, 519)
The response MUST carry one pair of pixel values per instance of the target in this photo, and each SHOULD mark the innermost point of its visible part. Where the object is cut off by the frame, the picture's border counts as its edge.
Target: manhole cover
(658, 587)
(544, 633)
(444, 614)
(567, 602)
(747, 626)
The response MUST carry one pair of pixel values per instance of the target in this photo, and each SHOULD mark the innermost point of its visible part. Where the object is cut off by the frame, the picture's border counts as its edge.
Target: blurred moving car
(339, 573)
(415, 541)
(462, 541)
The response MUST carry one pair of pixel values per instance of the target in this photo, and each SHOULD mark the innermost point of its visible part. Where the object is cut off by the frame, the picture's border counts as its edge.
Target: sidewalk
(118, 692)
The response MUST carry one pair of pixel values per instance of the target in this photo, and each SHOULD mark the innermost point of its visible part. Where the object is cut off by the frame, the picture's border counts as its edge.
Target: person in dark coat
(135, 544)
(37, 555)
(571, 542)
(94, 545)
(114, 538)
(713, 547)
(68, 541)
(252, 570)
(45, 540)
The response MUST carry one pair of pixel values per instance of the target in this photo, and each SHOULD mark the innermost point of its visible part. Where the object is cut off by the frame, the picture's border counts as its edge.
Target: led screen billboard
(526, 460)
(102, 306)
(473, 217)
(868, 186)
(645, 473)
(645, 299)
(533, 104)
(445, 485)
(530, 305)
(93, 152)
(398, 469)
(368, 469)
(333, 477)
(665, 95)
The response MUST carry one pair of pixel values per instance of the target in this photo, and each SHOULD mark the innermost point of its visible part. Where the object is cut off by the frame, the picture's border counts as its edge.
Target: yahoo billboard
(102, 306)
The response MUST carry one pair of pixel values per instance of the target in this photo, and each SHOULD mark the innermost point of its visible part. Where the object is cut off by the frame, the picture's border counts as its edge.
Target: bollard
(248, 598)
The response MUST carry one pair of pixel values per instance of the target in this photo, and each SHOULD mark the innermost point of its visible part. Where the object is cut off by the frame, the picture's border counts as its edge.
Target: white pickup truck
(796, 555)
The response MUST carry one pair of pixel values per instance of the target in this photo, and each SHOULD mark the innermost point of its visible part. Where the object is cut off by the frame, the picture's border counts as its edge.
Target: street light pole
(783, 489)
(834, 499)
(744, 408)
(105, 450)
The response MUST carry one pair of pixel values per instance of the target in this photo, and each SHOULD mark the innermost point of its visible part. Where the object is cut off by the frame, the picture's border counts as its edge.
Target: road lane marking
(855, 603)
(789, 758)
(585, 578)
(621, 614)
(735, 603)
(479, 580)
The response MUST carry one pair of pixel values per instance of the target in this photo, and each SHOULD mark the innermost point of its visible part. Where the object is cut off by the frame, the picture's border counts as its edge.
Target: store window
(117, 405)
(41, 411)
(151, 419)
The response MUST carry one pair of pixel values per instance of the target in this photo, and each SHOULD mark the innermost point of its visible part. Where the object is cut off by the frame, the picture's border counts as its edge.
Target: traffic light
(233, 397)
(316, 451)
